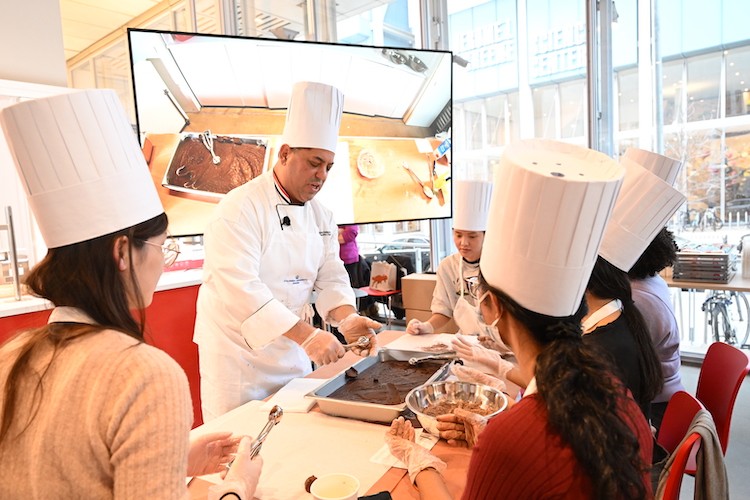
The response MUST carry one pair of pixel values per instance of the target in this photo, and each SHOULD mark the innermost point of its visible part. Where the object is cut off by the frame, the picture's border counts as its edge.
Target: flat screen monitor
(210, 112)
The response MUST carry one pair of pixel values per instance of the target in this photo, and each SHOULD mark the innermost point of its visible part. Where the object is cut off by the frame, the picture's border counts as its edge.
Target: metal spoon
(436, 357)
(274, 417)
(363, 342)
(208, 141)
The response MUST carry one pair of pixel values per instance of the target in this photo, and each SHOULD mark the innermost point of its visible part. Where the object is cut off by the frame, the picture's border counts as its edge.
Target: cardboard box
(416, 292)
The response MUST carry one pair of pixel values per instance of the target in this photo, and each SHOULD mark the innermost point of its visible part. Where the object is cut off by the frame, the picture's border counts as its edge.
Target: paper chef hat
(645, 204)
(471, 201)
(80, 164)
(661, 166)
(313, 117)
(550, 204)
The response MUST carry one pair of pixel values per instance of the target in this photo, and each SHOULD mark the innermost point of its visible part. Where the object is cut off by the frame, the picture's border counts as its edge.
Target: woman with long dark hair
(576, 433)
(621, 333)
(87, 409)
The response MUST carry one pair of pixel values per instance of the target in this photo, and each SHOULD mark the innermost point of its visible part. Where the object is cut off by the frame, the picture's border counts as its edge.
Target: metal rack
(12, 252)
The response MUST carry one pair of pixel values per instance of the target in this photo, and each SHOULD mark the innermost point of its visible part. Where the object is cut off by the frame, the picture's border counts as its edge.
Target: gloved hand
(242, 478)
(466, 374)
(491, 360)
(416, 327)
(461, 428)
(210, 453)
(323, 347)
(355, 326)
(400, 440)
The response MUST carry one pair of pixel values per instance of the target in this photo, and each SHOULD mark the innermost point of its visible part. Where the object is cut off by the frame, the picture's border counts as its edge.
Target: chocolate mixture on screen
(192, 166)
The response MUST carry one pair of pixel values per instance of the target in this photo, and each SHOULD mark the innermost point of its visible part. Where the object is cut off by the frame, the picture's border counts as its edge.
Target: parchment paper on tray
(433, 343)
(212, 165)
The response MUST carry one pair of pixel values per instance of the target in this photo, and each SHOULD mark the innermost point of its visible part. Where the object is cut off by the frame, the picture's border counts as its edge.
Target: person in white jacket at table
(457, 274)
(268, 246)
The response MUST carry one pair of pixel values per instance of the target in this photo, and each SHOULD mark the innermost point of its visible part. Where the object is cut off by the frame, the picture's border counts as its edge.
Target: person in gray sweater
(651, 296)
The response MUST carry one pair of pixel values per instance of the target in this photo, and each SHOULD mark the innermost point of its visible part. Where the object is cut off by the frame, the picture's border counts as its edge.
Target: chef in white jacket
(268, 246)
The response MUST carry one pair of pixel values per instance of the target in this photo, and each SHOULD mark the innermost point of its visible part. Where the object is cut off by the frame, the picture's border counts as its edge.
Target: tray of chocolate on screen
(211, 165)
(375, 388)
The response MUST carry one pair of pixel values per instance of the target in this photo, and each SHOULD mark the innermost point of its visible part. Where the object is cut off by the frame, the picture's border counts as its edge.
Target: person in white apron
(268, 247)
(457, 273)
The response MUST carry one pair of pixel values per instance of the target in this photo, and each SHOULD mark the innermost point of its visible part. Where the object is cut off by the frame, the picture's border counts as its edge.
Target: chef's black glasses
(170, 249)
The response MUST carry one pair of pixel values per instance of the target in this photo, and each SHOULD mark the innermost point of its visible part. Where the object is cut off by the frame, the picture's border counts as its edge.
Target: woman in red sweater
(576, 433)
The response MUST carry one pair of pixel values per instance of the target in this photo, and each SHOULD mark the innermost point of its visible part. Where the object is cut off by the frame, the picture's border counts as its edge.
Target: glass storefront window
(545, 112)
(738, 81)
(573, 109)
(703, 94)
(627, 99)
(672, 87)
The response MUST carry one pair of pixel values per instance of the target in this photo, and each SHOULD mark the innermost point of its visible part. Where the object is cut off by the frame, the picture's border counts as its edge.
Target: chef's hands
(323, 347)
(488, 358)
(400, 440)
(461, 428)
(416, 327)
(210, 453)
(242, 477)
(355, 326)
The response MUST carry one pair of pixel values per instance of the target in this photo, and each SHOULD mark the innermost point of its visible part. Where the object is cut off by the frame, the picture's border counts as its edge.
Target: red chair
(380, 294)
(723, 370)
(678, 416)
(682, 454)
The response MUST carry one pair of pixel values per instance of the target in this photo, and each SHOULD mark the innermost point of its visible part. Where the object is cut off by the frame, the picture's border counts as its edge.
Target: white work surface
(305, 444)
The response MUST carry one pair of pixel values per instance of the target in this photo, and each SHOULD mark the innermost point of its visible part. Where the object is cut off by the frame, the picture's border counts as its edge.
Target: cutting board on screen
(393, 194)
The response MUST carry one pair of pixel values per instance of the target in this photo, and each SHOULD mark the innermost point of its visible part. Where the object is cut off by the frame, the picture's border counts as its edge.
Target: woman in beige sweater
(87, 409)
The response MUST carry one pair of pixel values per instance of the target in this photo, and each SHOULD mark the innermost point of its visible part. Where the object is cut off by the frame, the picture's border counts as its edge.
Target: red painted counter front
(169, 326)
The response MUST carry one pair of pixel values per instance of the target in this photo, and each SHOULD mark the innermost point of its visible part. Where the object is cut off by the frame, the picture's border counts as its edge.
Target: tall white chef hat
(80, 164)
(471, 205)
(644, 206)
(550, 205)
(663, 167)
(313, 117)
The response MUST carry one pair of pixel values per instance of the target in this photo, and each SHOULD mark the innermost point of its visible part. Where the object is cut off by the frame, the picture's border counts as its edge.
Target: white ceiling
(86, 21)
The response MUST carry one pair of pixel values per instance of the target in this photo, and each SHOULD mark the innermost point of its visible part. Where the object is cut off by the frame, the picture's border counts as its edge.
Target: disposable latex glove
(416, 327)
(400, 440)
(355, 326)
(491, 360)
(242, 478)
(210, 453)
(467, 374)
(461, 428)
(323, 347)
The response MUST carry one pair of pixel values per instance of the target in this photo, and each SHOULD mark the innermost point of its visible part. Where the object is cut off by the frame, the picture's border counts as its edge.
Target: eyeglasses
(170, 249)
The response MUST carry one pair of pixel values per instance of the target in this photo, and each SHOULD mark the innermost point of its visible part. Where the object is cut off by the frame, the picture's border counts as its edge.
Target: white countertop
(28, 304)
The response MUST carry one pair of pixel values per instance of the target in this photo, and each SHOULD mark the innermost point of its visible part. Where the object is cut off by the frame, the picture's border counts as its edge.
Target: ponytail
(584, 401)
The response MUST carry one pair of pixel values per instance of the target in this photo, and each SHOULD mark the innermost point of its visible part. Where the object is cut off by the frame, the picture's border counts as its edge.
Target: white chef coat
(258, 275)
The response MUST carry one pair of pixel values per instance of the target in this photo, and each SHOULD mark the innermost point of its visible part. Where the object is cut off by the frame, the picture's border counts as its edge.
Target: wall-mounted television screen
(210, 113)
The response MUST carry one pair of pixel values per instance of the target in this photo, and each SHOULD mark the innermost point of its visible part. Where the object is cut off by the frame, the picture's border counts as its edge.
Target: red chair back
(723, 370)
(674, 479)
(678, 416)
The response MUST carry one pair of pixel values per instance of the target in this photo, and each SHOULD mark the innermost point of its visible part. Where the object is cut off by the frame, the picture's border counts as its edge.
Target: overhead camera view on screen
(210, 113)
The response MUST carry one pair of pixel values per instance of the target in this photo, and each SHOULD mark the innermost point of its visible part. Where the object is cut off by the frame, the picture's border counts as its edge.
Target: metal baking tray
(171, 172)
(370, 412)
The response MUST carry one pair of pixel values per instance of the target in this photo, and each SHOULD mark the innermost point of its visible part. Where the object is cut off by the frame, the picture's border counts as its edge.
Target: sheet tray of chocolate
(378, 391)
(212, 165)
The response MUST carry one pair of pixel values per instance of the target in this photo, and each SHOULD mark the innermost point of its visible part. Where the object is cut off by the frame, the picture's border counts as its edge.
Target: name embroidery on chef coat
(296, 280)
(324, 233)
